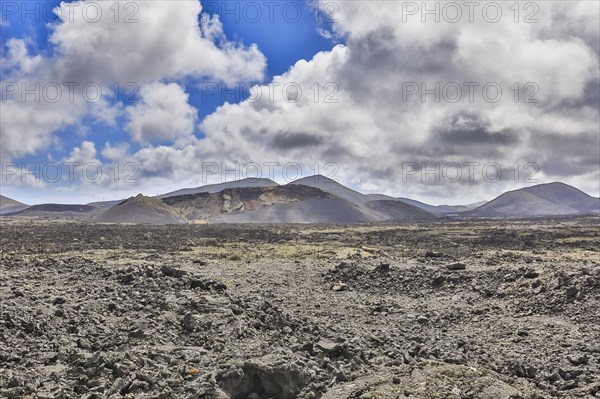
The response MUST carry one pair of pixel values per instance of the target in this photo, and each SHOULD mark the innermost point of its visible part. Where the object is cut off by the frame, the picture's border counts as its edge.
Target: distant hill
(542, 200)
(9, 205)
(399, 210)
(215, 188)
(60, 211)
(367, 208)
(474, 205)
(435, 209)
(105, 204)
(140, 210)
(441, 209)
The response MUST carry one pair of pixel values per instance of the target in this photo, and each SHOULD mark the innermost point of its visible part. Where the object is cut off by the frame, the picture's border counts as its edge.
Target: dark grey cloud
(291, 140)
(476, 137)
(376, 57)
(464, 134)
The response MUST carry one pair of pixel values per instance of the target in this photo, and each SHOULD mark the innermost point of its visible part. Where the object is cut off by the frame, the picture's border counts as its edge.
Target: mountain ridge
(313, 199)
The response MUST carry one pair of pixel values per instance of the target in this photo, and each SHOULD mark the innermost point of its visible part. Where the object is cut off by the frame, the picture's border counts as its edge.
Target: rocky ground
(486, 309)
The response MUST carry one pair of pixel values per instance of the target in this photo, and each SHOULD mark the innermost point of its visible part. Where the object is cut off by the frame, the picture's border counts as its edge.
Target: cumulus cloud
(17, 56)
(163, 114)
(160, 40)
(151, 42)
(115, 152)
(86, 153)
(28, 127)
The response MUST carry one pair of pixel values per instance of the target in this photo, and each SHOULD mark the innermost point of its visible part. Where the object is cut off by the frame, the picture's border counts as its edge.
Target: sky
(444, 102)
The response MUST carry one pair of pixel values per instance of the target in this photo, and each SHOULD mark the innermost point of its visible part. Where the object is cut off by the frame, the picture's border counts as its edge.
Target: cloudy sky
(445, 102)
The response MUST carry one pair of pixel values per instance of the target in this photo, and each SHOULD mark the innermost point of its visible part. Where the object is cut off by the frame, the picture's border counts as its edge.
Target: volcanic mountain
(291, 203)
(542, 200)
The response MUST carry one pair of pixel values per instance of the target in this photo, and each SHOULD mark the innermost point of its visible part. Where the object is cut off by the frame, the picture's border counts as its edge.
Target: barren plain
(481, 309)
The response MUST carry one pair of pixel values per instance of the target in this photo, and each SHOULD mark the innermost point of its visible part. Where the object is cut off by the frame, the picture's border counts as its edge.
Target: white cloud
(15, 175)
(103, 111)
(167, 43)
(84, 154)
(28, 127)
(163, 114)
(115, 152)
(18, 56)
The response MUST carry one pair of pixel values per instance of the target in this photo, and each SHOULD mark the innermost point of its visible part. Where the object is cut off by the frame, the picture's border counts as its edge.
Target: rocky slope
(9, 205)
